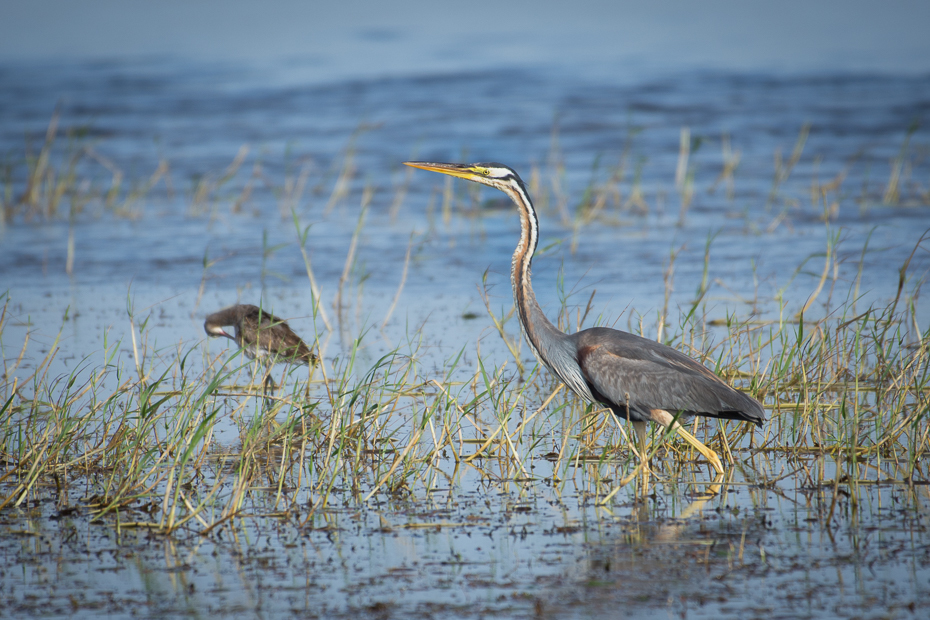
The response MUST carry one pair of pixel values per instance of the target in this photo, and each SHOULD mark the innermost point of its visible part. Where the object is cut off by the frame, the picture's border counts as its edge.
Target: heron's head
(216, 321)
(213, 330)
(492, 174)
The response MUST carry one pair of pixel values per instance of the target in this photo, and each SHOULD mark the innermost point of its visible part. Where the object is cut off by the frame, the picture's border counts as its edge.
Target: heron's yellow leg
(665, 419)
(640, 428)
(709, 454)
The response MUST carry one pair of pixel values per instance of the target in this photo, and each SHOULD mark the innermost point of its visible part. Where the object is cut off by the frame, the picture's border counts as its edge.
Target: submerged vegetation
(137, 443)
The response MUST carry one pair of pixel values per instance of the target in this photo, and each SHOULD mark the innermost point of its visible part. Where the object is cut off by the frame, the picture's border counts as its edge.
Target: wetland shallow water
(785, 535)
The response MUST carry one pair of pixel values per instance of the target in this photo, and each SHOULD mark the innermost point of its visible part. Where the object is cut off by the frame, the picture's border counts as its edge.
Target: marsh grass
(70, 177)
(134, 443)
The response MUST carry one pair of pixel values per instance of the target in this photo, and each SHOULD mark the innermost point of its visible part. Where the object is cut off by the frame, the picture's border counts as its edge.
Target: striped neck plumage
(532, 318)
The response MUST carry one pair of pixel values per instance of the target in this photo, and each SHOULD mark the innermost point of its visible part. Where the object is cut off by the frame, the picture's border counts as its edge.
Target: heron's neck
(538, 329)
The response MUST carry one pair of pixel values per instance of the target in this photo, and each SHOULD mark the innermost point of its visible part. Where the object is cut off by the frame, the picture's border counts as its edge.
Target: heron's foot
(709, 454)
(667, 420)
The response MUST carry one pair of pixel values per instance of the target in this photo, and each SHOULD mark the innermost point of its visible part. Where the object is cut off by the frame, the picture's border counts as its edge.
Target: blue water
(578, 131)
(575, 129)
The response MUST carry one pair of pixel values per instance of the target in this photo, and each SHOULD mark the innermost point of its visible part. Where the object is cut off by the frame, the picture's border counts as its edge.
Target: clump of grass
(37, 186)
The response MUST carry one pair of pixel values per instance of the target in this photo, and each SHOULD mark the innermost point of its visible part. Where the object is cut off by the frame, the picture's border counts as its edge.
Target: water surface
(212, 231)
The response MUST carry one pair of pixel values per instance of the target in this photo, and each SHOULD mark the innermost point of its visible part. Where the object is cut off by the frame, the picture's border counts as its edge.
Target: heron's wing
(275, 336)
(257, 326)
(642, 374)
(253, 316)
(289, 345)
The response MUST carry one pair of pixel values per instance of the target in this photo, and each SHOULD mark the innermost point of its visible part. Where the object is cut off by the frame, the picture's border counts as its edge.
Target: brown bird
(261, 335)
(639, 380)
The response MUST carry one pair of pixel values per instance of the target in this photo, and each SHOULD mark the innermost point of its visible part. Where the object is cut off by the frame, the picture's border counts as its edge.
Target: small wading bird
(638, 379)
(261, 335)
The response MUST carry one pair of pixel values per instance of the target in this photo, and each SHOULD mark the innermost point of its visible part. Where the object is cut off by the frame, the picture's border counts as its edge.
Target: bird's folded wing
(648, 379)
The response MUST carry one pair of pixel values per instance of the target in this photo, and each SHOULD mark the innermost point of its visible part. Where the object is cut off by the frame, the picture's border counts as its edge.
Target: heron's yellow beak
(462, 171)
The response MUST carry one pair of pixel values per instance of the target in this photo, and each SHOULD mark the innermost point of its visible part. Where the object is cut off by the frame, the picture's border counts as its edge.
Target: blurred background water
(578, 94)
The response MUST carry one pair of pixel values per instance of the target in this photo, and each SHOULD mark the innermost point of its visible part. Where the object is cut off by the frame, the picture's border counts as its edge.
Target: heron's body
(634, 375)
(260, 335)
(638, 379)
